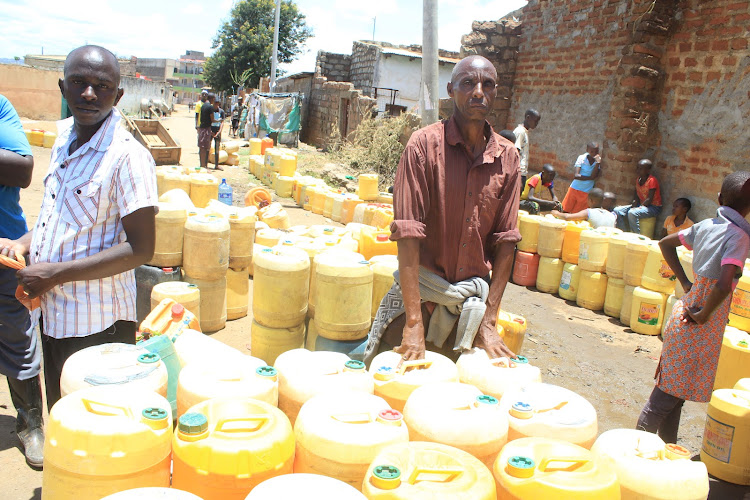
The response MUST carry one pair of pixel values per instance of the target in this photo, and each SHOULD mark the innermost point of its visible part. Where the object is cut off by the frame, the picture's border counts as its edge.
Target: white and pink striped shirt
(86, 195)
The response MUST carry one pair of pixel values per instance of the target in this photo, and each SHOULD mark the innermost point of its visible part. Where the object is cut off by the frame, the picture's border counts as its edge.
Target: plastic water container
(284, 185)
(203, 187)
(241, 237)
(185, 294)
(238, 288)
(339, 435)
(528, 225)
(213, 315)
(636, 253)
(734, 358)
(176, 175)
(232, 377)
(495, 376)
(457, 415)
(649, 469)
(224, 447)
(170, 228)
(152, 494)
(538, 467)
(551, 235)
(164, 348)
(668, 308)
(275, 216)
(550, 411)
(292, 486)
(572, 240)
(178, 198)
(317, 199)
(193, 346)
(114, 365)
(355, 349)
(648, 226)
(385, 198)
(427, 471)
(569, 281)
(343, 297)
(739, 311)
(743, 384)
(168, 318)
(686, 260)
(395, 383)
(647, 311)
(525, 268)
(368, 187)
(627, 304)
(205, 254)
(102, 440)
(328, 203)
(374, 242)
(383, 267)
(614, 296)
(592, 250)
(146, 277)
(338, 206)
(383, 217)
(266, 143)
(281, 283)
(255, 146)
(725, 438)
(512, 329)
(348, 209)
(592, 289)
(657, 275)
(268, 343)
(269, 237)
(225, 193)
(304, 374)
(549, 274)
(618, 244)
(287, 165)
(49, 139)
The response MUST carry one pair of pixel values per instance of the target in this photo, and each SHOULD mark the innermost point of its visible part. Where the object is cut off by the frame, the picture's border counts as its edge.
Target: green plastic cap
(149, 357)
(386, 472)
(193, 423)
(487, 400)
(153, 413)
(353, 364)
(522, 462)
(266, 371)
(521, 360)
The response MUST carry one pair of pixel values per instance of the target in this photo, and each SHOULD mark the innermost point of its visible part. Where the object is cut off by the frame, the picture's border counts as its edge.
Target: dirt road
(581, 350)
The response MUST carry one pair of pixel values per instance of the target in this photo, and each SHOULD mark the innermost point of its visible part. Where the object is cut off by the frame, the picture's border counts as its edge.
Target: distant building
(189, 76)
(158, 70)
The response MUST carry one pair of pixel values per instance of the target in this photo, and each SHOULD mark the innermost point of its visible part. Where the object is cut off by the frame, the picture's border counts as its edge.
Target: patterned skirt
(690, 353)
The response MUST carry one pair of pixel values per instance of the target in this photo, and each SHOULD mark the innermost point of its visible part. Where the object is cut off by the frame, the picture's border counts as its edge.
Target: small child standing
(679, 219)
(694, 333)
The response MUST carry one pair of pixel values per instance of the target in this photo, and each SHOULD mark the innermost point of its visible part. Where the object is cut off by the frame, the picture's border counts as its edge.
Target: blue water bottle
(225, 193)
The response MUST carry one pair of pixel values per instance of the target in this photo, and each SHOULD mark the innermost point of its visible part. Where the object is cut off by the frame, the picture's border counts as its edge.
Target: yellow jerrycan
(178, 198)
(495, 376)
(195, 347)
(368, 187)
(291, 486)
(616, 254)
(551, 235)
(627, 303)
(550, 411)
(739, 311)
(734, 358)
(343, 297)
(102, 440)
(224, 447)
(238, 289)
(512, 329)
(395, 383)
(281, 284)
(304, 374)
(614, 296)
(592, 290)
(167, 318)
(205, 253)
(427, 471)
(657, 275)
(649, 469)
(268, 343)
(636, 253)
(114, 365)
(338, 435)
(569, 281)
(592, 250)
(547, 468)
(185, 294)
(726, 436)
(152, 494)
(170, 227)
(743, 384)
(528, 225)
(572, 240)
(213, 308)
(203, 188)
(457, 415)
(549, 274)
(237, 377)
(241, 236)
(383, 267)
(647, 311)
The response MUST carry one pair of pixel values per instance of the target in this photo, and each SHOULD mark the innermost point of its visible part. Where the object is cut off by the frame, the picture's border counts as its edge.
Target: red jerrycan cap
(177, 311)
(382, 237)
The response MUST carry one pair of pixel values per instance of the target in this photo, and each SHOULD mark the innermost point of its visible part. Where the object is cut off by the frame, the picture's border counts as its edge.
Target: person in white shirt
(96, 223)
(530, 122)
(595, 214)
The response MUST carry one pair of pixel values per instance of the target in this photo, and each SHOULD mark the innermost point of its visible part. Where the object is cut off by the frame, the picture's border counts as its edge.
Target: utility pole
(374, 20)
(275, 56)
(428, 91)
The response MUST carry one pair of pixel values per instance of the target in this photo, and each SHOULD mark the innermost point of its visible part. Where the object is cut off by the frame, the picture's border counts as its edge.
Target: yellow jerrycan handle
(574, 464)
(420, 364)
(353, 418)
(250, 423)
(434, 474)
(558, 406)
(105, 409)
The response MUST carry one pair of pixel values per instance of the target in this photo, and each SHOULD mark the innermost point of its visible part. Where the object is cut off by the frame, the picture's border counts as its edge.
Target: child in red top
(646, 200)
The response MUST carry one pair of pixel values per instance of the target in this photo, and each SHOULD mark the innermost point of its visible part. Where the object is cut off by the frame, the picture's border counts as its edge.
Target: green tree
(244, 44)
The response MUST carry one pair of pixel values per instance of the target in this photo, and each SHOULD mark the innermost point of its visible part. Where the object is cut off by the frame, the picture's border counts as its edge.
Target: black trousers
(57, 351)
(661, 415)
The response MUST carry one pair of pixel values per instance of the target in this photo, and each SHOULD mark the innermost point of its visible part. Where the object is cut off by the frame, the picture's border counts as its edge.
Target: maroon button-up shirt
(460, 208)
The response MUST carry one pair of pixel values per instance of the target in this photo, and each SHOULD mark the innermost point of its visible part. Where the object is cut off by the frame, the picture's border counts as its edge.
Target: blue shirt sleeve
(12, 136)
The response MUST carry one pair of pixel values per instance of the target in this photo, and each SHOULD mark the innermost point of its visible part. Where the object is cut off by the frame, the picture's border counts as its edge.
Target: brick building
(667, 80)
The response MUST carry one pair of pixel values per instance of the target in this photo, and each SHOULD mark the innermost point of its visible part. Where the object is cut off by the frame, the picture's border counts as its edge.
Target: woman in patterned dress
(694, 332)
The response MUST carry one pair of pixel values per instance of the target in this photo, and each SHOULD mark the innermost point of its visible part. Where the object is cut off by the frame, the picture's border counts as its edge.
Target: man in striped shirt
(96, 223)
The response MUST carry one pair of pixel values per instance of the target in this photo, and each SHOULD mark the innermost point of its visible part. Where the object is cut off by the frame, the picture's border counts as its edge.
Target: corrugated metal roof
(416, 55)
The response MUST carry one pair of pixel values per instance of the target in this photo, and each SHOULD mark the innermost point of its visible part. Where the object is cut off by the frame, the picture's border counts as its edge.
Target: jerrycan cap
(522, 410)
(486, 399)
(521, 360)
(383, 237)
(521, 467)
(676, 452)
(191, 285)
(365, 262)
(153, 413)
(177, 311)
(167, 269)
(266, 371)
(384, 373)
(288, 243)
(148, 358)
(354, 366)
(391, 417)
(386, 477)
(267, 250)
(193, 423)
(328, 230)
(742, 343)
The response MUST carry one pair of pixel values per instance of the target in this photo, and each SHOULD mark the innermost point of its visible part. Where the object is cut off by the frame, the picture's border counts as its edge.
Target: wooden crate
(153, 135)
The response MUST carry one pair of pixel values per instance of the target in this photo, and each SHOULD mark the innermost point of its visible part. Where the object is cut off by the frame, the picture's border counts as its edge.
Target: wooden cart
(153, 135)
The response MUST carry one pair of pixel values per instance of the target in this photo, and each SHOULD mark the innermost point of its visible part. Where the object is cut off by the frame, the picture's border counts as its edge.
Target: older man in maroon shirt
(456, 204)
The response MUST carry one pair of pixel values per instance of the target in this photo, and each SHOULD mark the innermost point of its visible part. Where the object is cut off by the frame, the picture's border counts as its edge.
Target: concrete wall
(335, 67)
(157, 69)
(364, 61)
(137, 89)
(33, 92)
(404, 74)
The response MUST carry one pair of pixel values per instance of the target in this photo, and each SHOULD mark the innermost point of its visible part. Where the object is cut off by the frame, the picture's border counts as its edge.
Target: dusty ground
(584, 351)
